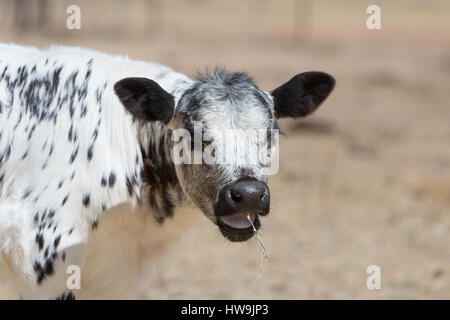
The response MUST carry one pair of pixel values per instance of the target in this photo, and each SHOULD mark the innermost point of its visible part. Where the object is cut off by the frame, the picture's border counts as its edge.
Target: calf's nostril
(236, 197)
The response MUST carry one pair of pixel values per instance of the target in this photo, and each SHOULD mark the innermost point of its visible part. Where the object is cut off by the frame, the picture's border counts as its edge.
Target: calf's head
(224, 131)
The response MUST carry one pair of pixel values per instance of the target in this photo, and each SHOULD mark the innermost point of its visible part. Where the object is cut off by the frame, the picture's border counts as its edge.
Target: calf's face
(224, 137)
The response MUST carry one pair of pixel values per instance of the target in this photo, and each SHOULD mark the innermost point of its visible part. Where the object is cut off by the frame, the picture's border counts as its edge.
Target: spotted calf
(87, 170)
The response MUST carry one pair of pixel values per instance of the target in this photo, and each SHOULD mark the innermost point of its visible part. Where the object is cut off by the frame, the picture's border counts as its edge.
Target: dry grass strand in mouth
(264, 253)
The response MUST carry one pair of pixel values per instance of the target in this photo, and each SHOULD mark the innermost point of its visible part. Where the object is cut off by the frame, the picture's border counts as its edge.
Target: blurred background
(364, 181)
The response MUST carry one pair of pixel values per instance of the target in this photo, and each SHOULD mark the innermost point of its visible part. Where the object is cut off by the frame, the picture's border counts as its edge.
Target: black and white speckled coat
(83, 153)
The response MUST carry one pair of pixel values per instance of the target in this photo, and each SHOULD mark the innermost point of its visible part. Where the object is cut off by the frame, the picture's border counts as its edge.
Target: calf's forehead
(241, 116)
(246, 113)
(223, 99)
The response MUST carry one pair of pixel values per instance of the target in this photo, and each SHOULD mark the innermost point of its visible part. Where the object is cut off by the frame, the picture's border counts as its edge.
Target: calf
(88, 168)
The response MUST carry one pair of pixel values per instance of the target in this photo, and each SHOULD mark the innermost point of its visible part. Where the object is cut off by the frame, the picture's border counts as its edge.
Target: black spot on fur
(65, 200)
(48, 267)
(68, 296)
(61, 297)
(70, 135)
(86, 200)
(74, 155)
(112, 179)
(103, 182)
(56, 242)
(40, 241)
(27, 192)
(40, 272)
(129, 186)
(90, 152)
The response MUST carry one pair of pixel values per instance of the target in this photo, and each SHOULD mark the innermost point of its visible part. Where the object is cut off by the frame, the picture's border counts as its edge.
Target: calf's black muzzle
(244, 196)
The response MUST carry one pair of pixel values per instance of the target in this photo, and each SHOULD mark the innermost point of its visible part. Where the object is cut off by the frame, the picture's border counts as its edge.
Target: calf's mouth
(239, 227)
(238, 207)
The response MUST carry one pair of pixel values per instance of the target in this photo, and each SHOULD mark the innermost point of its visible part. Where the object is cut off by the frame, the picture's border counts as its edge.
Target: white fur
(127, 239)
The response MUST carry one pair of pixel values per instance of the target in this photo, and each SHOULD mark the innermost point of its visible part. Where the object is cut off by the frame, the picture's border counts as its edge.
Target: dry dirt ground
(365, 180)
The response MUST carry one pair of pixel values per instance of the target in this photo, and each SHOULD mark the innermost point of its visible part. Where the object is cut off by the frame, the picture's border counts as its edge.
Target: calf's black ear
(145, 99)
(302, 95)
